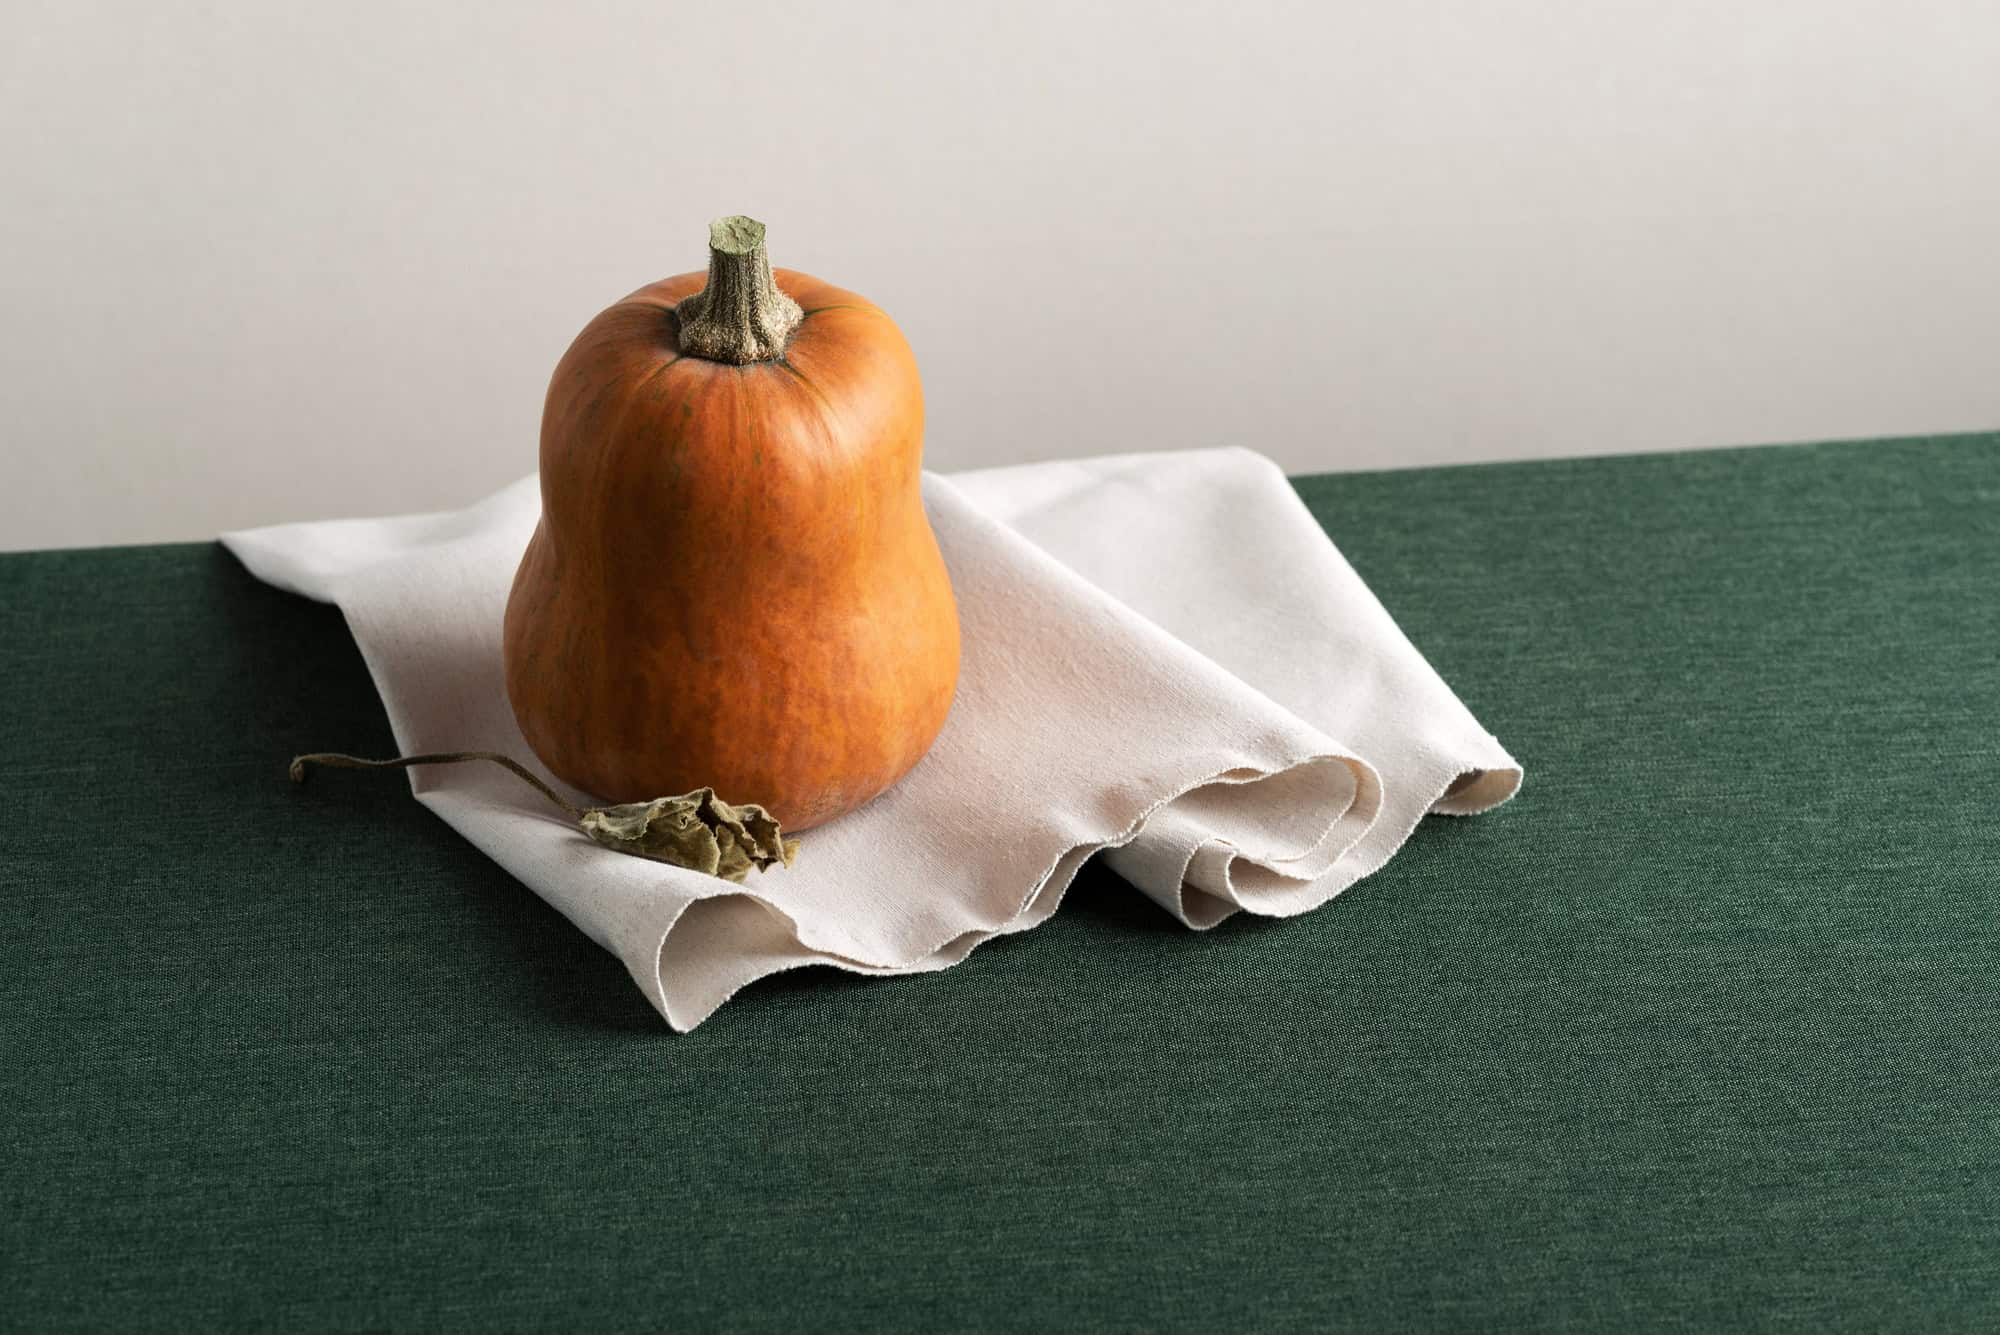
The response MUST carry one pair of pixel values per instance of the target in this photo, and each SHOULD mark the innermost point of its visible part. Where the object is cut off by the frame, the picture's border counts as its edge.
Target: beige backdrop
(267, 262)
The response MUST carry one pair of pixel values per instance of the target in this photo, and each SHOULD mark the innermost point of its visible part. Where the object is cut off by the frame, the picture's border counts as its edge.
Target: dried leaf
(696, 830)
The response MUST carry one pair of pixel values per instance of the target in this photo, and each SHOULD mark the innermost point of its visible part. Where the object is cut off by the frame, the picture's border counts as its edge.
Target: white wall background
(277, 261)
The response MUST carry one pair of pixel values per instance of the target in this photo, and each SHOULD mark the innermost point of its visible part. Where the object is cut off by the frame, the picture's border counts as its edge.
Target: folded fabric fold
(1163, 657)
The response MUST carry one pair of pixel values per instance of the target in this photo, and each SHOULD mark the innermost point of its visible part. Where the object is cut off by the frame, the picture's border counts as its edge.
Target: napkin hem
(1041, 902)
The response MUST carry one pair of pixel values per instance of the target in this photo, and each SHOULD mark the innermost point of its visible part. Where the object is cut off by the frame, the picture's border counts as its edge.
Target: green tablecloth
(1702, 1031)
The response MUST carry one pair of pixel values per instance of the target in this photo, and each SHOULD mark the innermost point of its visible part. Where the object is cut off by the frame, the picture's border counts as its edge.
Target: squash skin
(733, 583)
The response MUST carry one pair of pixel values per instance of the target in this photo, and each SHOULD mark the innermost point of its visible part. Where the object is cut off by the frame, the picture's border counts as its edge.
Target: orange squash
(734, 584)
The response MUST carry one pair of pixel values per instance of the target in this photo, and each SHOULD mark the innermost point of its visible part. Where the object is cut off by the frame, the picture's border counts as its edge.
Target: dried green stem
(336, 760)
(696, 830)
(741, 316)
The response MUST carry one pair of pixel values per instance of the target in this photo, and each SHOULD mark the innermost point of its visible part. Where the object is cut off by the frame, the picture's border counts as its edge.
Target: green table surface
(1702, 1031)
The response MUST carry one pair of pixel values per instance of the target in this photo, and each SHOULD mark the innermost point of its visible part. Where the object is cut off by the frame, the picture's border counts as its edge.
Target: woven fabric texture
(1702, 1031)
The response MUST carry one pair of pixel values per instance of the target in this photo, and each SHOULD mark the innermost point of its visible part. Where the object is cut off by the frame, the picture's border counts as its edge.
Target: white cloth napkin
(1164, 659)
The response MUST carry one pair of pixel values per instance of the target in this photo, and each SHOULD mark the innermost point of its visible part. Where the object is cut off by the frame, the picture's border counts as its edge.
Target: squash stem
(741, 316)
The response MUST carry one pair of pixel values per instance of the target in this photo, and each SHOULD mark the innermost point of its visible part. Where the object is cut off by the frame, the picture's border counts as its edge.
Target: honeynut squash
(733, 584)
